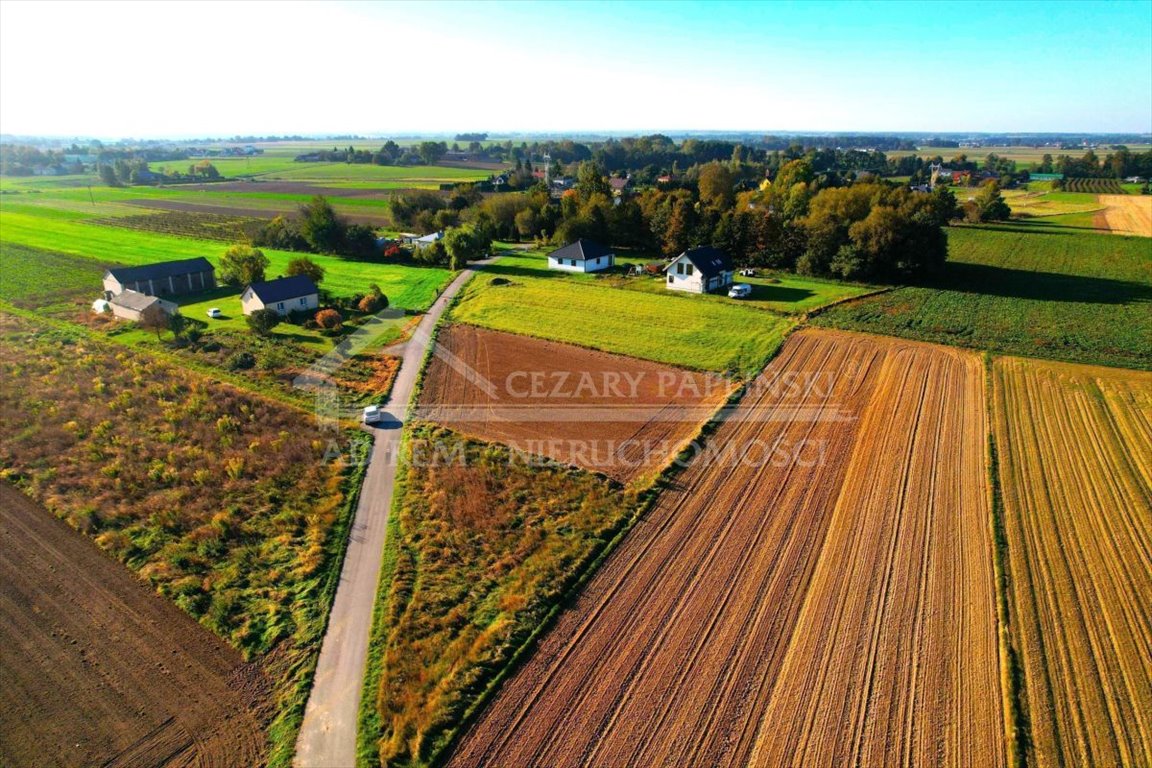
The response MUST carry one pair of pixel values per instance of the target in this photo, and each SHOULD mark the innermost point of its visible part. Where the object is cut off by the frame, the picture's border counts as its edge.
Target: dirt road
(328, 736)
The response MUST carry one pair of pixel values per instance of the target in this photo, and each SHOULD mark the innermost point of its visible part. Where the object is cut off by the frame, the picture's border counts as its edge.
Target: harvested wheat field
(1127, 214)
(1075, 448)
(818, 591)
(98, 670)
(607, 413)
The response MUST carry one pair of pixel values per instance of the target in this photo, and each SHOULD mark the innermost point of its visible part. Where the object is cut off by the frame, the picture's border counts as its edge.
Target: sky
(177, 69)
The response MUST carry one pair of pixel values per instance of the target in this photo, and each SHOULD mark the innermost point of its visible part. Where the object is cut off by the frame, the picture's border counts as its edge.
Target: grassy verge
(1011, 672)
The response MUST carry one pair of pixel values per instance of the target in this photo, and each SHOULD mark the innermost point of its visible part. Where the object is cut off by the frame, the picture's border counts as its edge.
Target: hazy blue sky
(181, 69)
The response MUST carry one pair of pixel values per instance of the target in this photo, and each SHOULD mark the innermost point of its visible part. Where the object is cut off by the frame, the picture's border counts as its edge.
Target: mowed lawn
(407, 287)
(669, 329)
(1023, 290)
(778, 292)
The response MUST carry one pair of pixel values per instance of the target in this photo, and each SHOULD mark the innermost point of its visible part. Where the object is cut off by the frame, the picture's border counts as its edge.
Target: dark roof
(708, 260)
(162, 270)
(283, 288)
(582, 250)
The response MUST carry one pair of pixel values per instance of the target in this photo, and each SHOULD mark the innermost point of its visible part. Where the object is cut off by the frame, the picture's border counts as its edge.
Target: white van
(740, 291)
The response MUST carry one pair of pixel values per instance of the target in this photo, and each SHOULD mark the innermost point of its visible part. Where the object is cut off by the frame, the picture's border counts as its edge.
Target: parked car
(747, 273)
(740, 291)
(373, 414)
(215, 313)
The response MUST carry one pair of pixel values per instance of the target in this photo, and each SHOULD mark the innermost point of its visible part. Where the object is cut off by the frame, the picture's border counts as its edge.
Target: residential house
(581, 256)
(163, 279)
(140, 307)
(700, 270)
(282, 295)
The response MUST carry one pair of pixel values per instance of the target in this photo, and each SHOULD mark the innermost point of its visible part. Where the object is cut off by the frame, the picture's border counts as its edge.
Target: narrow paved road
(328, 735)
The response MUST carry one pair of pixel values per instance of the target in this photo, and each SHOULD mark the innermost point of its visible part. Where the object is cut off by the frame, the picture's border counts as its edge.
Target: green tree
(715, 184)
(590, 181)
(305, 266)
(989, 205)
(243, 265)
(320, 226)
(108, 176)
(431, 151)
(262, 321)
(463, 244)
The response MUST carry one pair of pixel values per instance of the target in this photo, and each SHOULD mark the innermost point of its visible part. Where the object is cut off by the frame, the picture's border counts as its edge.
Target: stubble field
(818, 591)
(1127, 214)
(610, 414)
(1075, 447)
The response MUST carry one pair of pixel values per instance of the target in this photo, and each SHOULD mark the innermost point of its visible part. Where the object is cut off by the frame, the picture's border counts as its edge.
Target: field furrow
(805, 589)
(1078, 512)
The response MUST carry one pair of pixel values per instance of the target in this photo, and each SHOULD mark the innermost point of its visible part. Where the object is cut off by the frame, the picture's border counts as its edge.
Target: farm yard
(219, 500)
(762, 603)
(1066, 296)
(610, 414)
(1075, 446)
(99, 670)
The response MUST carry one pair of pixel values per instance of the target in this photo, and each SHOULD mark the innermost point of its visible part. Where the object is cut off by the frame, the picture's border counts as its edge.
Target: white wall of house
(682, 275)
(251, 302)
(582, 265)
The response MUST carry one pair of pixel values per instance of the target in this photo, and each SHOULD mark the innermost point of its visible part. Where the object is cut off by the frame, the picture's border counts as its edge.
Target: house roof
(134, 300)
(581, 250)
(283, 288)
(161, 270)
(431, 238)
(619, 184)
(708, 260)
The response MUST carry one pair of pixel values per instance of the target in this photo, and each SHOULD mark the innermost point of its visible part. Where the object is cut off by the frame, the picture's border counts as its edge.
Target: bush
(262, 321)
(329, 319)
(241, 361)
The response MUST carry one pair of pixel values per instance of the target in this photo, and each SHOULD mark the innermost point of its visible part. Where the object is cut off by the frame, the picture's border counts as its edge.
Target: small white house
(581, 256)
(700, 270)
(283, 295)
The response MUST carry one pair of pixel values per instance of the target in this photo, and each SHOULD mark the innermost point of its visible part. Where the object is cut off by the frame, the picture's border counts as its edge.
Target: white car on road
(373, 414)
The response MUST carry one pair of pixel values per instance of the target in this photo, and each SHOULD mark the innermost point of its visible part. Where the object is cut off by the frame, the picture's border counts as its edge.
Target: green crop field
(668, 329)
(408, 287)
(1018, 289)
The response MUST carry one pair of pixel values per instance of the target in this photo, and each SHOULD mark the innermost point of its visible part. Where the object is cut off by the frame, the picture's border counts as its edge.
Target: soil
(98, 670)
(830, 602)
(621, 417)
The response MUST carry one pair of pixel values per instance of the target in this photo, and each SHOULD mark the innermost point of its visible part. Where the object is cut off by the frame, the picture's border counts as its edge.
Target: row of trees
(318, 229)
(1117, 165)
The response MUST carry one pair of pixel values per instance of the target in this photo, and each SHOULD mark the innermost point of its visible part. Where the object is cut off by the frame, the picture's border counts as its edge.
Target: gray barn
(168, 278)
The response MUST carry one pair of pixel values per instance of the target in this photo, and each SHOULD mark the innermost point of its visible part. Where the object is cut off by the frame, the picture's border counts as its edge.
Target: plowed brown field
(1075, 446)
(836, 607)
(607, 413)
(97, 670)
(1128, 214)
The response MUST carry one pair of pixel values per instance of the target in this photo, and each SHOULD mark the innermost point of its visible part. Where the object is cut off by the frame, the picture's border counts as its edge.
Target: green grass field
(1042, 291)
(407, 287)
(778, 292)
(669, 329)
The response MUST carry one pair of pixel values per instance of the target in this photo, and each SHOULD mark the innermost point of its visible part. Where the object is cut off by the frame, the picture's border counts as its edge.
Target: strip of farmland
(792, 600)
(1075, 448)
(611, 414)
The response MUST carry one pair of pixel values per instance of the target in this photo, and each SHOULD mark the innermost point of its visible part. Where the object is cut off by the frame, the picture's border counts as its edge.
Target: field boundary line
(1017, 725)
